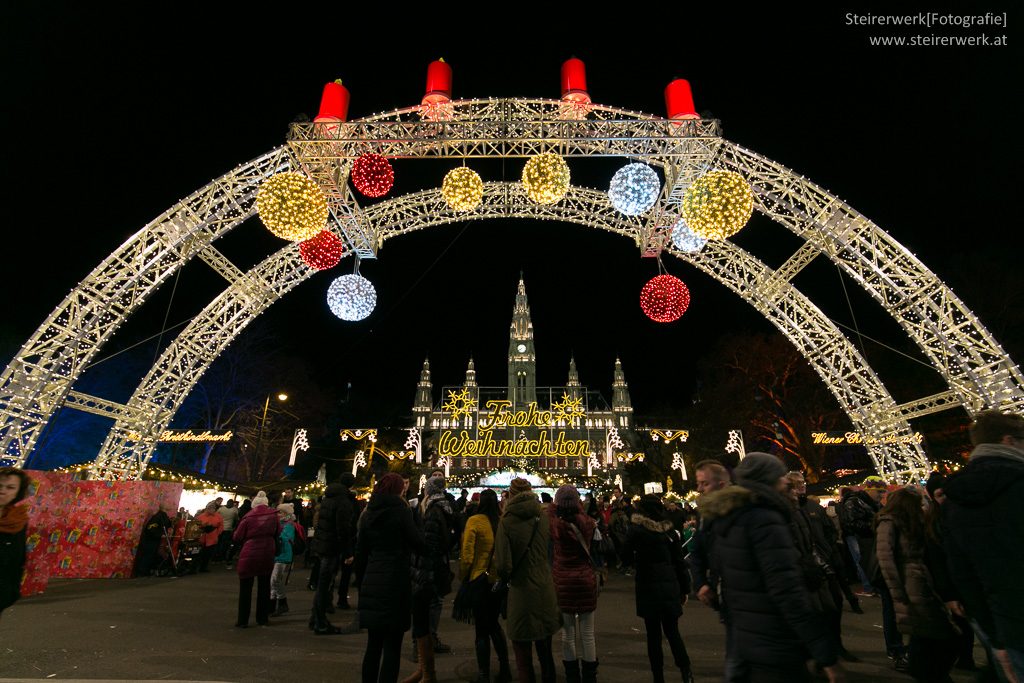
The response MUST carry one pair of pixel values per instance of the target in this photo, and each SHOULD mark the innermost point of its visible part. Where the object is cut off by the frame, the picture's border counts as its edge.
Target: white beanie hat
(260, 499)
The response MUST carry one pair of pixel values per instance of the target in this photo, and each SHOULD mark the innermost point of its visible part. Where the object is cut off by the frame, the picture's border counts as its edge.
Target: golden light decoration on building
(462, 189)
(546, 178)
(292, 206)
(718, 204)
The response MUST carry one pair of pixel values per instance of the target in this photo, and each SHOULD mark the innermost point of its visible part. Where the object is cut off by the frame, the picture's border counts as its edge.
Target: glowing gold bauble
(292, 206)
(718, 204)
(546, 178)
(462, 189)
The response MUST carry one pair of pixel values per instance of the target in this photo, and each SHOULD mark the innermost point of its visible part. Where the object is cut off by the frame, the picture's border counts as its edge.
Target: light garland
(718, 204)
(664, 299)
(322, 251)
(372, 175)
(546, 178)
(187, 480)
(292, 206)
(685, 240)
(462, 189)
(634, 189)
(351, 297)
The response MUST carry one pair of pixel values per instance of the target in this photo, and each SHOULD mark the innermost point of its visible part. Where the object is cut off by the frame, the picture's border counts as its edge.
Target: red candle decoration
(574, 81)
(372, 175)
(333, 103)
(679, 100)
(322, 251)
(664, 299)
(439, 83)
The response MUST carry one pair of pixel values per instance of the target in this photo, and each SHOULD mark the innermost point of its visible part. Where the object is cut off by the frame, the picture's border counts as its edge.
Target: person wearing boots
(290, 531)
(332, 543)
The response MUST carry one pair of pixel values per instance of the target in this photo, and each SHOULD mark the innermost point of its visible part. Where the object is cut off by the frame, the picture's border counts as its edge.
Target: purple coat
(572, 570)
(257, 531)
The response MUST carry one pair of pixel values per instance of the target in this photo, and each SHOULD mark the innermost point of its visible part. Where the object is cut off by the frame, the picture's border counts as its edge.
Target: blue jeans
(893, 638)
(854, 546)
(1016, 656)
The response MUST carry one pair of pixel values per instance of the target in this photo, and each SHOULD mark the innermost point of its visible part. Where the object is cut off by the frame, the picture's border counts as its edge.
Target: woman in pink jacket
(255, 535)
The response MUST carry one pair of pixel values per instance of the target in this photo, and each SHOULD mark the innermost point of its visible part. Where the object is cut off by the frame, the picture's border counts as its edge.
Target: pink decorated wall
(87, 529)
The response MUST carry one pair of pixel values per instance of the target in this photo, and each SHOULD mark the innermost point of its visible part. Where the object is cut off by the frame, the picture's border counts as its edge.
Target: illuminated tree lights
(462, 189)
(373, 175)
(351, 297)
(634, 189)
(546, 178)
(684, 239)
(292, 206)
(664, 299)
(322, 251)
(718, 204)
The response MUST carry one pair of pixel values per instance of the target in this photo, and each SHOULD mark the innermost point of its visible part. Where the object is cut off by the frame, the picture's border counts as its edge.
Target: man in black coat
(983, 524)
(765, 581)
(333, 542)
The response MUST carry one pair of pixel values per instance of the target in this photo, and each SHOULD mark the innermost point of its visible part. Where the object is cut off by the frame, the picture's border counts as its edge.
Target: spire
(573, 385)
(470, 374)
(522, 361)
(424, 401)
(621, 404)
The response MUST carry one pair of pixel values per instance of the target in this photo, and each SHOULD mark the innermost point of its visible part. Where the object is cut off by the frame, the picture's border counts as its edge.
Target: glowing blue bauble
(685, 240)
(351, 297)
(634, 189)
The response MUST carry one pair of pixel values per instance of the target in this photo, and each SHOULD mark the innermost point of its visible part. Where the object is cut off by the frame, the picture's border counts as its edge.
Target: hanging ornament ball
(546, 178)
(373, 175)
(462, 189)
(351, 297)
(718, 204)
(322, 251)
(684, 239)
(292, 206)
(634, 189)
(664, 299)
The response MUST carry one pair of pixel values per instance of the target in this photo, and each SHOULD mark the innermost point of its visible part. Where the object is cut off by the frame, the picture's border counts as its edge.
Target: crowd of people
(944, 560)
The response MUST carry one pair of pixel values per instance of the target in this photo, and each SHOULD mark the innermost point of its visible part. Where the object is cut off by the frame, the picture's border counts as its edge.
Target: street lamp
(282, 397)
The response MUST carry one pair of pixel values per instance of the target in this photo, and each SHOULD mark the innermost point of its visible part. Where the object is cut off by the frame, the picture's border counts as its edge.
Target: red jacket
(206, 518)
(257, 531)
(573, 571)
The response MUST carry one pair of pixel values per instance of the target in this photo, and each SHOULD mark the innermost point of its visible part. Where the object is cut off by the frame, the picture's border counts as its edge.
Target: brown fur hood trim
(650, 524)
(722, 502)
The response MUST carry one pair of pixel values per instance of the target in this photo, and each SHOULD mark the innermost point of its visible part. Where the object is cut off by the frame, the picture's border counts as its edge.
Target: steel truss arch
(130, 444)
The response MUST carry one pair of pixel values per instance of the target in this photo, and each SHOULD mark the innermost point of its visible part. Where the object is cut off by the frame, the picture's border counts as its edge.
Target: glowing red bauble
(322, 251)
(664, 299)
(372, 175)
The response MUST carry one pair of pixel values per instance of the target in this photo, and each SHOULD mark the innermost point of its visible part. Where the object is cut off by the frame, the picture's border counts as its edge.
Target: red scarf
(13, 519)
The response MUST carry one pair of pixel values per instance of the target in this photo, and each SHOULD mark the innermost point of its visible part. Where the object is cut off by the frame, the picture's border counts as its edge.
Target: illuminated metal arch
(40, 377)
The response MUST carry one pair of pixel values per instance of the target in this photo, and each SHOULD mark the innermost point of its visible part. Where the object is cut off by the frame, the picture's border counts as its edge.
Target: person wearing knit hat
(567, 497)
(255, 535)
(517, 486)
(874, 482)
(761, 468)
(260, 499)
(291, 535)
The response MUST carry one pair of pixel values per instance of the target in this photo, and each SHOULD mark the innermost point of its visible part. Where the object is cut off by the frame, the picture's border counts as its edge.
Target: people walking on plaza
(920, 612)
(576, 582)
(229, 513)
(477, 569)
(521, 558)
(255, 537)
(291, 536)
(765, 594)
(333, 544)
(857, 512)
(345, 579)
(662, 584)
(13, 525)
(386, 540)
(431, 576)
(983, 524)
(153, 535)
(211, 525)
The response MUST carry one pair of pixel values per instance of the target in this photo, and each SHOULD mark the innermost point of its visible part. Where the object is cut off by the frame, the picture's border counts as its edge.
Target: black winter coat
(430, 570)
(766, 600)
(387, 538)
(12, 564)
(333, 536)
(983, 523)
(649, 547)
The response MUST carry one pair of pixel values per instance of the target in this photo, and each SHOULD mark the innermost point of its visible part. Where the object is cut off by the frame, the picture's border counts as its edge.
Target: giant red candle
(679, 100)
(439, 83)
(574, 81)
(333, 103)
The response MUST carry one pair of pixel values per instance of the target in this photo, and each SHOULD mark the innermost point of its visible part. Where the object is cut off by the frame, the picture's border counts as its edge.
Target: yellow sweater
(477, 544)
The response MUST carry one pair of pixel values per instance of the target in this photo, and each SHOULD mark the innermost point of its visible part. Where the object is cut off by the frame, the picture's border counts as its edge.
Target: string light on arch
(718, 204)
(462, 189)
(292, 206)
(323, 251)
(634, 189)
(351, 297)
(685, 240)
(664, 298)
(546, 178)
(372, 175)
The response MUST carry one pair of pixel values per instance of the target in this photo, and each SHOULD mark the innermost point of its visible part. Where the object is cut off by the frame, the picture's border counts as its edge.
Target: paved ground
(181, 629)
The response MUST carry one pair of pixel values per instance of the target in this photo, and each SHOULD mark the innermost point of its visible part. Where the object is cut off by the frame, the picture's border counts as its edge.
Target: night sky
(111, 118)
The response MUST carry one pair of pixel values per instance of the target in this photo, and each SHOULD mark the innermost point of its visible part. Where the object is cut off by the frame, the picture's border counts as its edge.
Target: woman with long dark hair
(476, 567)
(920, 612)
(13, 524)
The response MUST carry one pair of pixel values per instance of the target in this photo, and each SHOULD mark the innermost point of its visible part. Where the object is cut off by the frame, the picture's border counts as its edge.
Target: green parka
(532, 607)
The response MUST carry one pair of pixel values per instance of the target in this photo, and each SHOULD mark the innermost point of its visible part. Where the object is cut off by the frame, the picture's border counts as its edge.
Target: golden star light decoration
(460, 404)
(568, 409)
